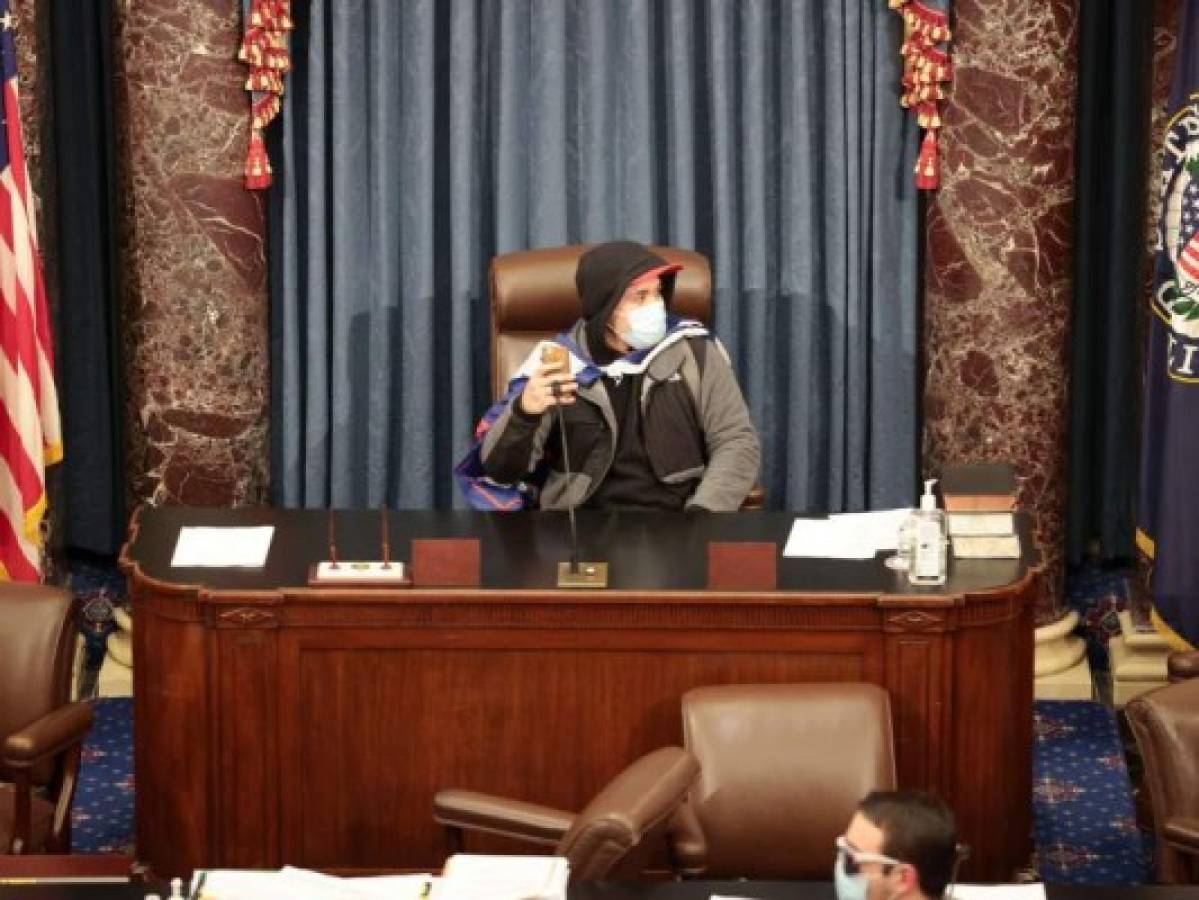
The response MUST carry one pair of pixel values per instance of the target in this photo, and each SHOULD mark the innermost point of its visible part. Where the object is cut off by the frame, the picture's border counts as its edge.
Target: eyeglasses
(854, 858)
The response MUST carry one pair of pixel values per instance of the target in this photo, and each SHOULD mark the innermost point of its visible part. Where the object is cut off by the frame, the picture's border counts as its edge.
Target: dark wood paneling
(171, 730)
(544, 716)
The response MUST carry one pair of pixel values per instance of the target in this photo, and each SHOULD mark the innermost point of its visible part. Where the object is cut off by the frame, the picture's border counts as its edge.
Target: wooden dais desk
(277, 723)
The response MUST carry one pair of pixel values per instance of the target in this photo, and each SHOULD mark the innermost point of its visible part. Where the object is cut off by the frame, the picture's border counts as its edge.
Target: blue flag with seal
(1168, 502)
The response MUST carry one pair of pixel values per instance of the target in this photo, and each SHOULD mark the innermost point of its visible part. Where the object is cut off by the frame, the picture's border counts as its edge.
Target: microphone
(572, 574)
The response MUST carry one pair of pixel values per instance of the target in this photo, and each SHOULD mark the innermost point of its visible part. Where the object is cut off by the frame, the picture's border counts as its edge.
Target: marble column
(192, 256)
(998, 252)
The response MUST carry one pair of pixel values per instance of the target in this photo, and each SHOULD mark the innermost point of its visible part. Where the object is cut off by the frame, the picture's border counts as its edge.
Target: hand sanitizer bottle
(929, 561)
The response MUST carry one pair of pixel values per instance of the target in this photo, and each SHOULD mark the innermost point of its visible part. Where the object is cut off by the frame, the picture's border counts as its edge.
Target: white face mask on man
(646, 325)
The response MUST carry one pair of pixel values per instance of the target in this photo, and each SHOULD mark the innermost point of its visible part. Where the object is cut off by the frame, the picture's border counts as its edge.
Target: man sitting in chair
(653, 414)
(899, 844)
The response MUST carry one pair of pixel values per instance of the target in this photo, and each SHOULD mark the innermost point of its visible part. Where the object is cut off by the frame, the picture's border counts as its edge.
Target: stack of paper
(846, 536)
(466, 877)
(471, 877)
(301, 884)
(997, 892)
(219, 547)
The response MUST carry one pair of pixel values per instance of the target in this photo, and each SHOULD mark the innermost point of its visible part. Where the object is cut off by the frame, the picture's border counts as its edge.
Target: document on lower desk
(244, 548)
(291, 883)
(997, 892)
(847, 535)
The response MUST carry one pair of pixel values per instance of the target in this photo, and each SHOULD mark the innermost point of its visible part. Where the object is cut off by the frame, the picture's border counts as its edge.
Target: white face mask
(647, 325)
(849, 887)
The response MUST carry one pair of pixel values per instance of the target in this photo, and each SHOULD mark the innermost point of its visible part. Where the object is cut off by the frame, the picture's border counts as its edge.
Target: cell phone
(555, 356)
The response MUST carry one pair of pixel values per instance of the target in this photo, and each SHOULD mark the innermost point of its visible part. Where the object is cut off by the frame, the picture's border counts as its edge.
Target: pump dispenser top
(927, 500)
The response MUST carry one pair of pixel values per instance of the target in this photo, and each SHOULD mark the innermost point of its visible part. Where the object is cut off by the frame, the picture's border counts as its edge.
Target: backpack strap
(693, 366)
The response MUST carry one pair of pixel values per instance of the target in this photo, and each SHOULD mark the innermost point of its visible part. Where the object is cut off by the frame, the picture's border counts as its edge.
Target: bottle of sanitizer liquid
(929, 559)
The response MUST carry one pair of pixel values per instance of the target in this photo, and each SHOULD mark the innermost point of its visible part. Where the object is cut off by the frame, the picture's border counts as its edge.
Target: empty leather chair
(782, 767)
(613, 835)
(40, 730)
(1165, 723)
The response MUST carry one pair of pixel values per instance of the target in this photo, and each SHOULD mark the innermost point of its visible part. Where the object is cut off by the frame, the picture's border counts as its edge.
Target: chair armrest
(1182, 833)
(688, 846)
(755, 499)
(1183, 666)
(473, 811)
(46, 737)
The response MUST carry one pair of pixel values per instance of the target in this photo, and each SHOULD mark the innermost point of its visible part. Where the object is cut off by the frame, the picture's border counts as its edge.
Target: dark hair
(918, 829)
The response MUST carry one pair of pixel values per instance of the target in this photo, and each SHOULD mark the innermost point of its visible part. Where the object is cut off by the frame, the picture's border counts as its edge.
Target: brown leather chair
(614, 834)
(42, 732)
(533, 297)
(1165, 723)
(782, 768)
(1183, 665)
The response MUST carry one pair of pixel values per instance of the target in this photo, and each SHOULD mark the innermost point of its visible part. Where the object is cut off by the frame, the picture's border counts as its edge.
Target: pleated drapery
(421, 138)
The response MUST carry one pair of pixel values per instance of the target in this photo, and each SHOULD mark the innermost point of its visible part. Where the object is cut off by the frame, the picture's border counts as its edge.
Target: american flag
(30, 436)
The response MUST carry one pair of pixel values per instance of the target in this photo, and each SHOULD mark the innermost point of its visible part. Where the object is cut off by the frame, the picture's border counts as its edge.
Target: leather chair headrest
(35, 657)
(783, 767)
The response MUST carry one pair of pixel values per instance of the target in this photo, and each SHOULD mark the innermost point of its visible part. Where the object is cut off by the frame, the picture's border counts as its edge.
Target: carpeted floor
(102, 818)
(1084, 825)
(1085, 831)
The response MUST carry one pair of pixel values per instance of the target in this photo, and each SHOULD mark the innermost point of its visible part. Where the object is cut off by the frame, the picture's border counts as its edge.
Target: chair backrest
(782, 768)
(533, 297)
(35, 659)
(619, 828)
(1165, 723)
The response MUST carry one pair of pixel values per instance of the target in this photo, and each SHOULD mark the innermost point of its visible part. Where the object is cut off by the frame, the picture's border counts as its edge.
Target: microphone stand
(574, 574)
(570, 507)
(332, 539)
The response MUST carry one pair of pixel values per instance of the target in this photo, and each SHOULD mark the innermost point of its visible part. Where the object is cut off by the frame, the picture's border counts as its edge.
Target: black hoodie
(604, 274)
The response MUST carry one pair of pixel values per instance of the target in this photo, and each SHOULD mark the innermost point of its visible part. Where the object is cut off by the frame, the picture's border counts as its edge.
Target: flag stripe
(30, 431)
(19, 564)
(21, 461)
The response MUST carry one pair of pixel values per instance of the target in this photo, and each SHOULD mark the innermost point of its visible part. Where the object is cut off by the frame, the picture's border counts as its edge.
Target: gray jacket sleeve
(514, 444)
(734, 454)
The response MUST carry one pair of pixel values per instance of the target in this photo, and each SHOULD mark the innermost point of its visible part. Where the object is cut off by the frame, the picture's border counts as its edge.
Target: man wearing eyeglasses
(899, 844)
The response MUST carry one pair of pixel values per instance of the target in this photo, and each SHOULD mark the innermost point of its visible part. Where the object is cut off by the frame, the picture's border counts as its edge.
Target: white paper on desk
(290, 883)
(846, 536)
(244, 548)
(998, 892)
(376, 887)
(244, 884)
(469, 876)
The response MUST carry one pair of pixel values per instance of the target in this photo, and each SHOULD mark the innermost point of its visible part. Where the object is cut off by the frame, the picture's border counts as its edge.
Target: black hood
(604, 274)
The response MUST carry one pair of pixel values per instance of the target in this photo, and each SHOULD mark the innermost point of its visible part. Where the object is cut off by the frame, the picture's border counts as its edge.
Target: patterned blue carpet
(102, 818)
(1085, 831)
(1084, 825)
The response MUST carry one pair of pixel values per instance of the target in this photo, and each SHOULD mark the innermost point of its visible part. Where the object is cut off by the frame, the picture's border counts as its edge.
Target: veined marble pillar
(998, 251)
(193, 258)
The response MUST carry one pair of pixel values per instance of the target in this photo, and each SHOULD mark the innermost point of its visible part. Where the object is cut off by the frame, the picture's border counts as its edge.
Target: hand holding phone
(551, 384)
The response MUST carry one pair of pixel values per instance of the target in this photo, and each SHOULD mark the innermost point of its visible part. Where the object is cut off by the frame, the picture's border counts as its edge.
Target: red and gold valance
(926, 73)
(264, 49)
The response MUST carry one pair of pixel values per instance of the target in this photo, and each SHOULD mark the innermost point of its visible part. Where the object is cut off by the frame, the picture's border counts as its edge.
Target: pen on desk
(198, 887)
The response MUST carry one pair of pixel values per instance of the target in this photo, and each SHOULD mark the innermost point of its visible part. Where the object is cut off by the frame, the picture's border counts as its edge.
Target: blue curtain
(421, 138)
